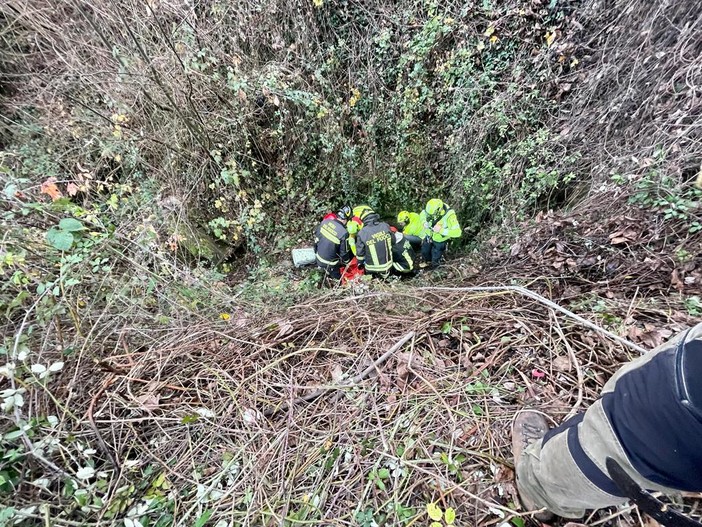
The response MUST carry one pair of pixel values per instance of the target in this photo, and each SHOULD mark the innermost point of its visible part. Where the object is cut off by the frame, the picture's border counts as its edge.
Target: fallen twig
(355, 380)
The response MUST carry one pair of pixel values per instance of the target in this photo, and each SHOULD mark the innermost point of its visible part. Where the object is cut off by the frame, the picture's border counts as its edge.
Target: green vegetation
(158, 161)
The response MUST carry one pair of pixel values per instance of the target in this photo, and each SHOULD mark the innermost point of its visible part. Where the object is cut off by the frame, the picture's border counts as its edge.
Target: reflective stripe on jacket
(403, 256)
(449, 226)
(374, 247)
(331, 243)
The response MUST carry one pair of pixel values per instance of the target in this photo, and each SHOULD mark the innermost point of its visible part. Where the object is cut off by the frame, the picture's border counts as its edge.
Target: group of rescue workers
(354, 241)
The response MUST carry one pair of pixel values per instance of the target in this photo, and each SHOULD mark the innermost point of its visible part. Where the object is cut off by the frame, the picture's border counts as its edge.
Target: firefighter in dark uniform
(331, 243)
(374, 246)
(404, 258)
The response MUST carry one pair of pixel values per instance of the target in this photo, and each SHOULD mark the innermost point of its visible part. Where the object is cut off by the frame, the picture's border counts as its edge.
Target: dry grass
(452, 389)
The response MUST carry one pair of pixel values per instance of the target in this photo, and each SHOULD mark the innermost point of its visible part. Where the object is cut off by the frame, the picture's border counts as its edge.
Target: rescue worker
(412, 228)
(440, 225)
(374, 246)
(331, 244)
(647, 422)
(355, 224)
(403, 256)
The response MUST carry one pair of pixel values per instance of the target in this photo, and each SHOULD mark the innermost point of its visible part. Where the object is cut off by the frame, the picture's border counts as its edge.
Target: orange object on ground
(351, 272)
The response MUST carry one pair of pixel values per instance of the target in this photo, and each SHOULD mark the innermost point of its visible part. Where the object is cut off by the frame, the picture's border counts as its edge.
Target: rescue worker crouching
(355, 223)
(404, 257)
(331, 243)
(412, 228)
(440, 225)
(374, 246)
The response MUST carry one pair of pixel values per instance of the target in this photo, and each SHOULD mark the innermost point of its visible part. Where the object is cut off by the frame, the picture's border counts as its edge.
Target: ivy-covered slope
(250, 119)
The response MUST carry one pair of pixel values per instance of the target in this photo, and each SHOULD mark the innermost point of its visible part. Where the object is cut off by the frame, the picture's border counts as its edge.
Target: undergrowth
(158, 162)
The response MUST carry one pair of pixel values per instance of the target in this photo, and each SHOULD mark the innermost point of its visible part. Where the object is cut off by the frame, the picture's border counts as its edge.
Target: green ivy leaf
(450, 515)
(202, 520)
(383, 473)
(434, 512)
(71, 225)
(59, 239)
(518, 521)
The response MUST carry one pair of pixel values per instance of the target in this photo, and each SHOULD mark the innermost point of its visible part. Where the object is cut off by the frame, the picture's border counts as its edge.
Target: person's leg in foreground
(648, 419)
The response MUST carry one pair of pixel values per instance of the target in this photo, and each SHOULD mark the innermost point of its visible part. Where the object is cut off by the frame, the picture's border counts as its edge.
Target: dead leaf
(49, 188)
(72, 189)
(149, 401)
(285, 329)
(550, 37)
(676, 282)
(561, 363)
(337, 373)
(651, 336)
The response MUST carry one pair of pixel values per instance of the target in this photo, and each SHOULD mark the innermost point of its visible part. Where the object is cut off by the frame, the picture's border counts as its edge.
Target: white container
(303, 256)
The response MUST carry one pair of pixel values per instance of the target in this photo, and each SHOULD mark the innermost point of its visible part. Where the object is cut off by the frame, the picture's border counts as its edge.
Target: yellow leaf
(225, 316)
(435, 524)
(450, 515)
(550, 37)
(318, 3)
(434, 512)
(493, 39)
(489, 31)
(355, 97)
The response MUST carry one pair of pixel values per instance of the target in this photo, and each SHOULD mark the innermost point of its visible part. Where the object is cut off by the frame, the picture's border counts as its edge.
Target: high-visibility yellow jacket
(355, 224)
(352, 227)
(415, 226)
(448, 223)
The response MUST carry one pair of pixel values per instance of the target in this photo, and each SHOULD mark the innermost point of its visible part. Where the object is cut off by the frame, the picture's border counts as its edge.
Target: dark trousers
(648, 419)
(433, 251)
(332, 272)
(415, 242)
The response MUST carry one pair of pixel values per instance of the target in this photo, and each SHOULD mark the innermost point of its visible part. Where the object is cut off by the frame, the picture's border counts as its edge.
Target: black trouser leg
(426, 250)
(437, 251)
(415, 242)
(332, 272)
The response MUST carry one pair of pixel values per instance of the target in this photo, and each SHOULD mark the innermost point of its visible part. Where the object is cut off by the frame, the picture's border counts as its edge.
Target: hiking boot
(528, 426)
